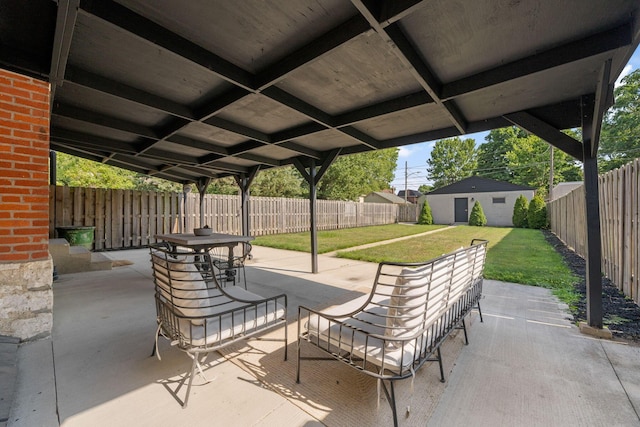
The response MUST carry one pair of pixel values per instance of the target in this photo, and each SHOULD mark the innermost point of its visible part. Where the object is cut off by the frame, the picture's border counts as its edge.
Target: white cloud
(625, 72)
(405, 152)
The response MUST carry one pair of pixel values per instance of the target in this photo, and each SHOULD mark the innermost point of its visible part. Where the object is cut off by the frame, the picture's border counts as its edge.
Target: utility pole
(406, 176)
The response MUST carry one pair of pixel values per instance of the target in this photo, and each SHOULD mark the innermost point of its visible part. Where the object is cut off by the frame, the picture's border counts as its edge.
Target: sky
(415, 156)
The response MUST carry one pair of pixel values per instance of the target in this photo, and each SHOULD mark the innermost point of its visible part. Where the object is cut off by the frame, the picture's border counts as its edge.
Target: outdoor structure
(192, 91)
(411, 196)
(453, 203)
(383, 197)
(563, 188)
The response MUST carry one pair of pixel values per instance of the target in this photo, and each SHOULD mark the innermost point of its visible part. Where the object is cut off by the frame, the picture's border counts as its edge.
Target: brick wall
(24, 168)
(26, 296)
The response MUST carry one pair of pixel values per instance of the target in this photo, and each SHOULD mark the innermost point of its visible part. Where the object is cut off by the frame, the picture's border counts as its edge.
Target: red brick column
(24, 168)
(25, 265)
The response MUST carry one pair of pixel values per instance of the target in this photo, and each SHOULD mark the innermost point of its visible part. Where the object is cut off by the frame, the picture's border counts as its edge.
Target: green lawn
(329, 241)
(515, 255)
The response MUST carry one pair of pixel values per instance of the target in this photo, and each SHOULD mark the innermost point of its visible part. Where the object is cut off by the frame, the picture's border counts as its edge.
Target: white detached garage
(452, 203)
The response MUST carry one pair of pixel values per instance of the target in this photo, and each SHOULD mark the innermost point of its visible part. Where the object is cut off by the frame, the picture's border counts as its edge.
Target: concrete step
(58, 247)
(75, 259)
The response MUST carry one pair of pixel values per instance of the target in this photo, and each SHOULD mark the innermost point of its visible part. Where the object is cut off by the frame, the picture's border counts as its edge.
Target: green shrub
(477, 217)
(520, 209)
(537, 213)
(425, 217)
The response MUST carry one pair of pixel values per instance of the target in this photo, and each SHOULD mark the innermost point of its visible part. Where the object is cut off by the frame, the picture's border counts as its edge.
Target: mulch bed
(620, 314)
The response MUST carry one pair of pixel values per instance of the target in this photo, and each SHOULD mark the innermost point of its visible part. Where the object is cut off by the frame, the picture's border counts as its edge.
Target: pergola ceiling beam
(405, 52)
(314, 114)
(306, 151)
(238, 129)
(546, 132)
(75, 113)
(370, 142)
(172, 156)
(135, 165)
(386, 107)
(244, 147)
(200, 145)
(261, 159)
(98, 142)
(146, 29)
(119, 90)
(420, 137)
(334, 38)
(223, 166)
(590, 46)
(65, 25)
(298, 105)
(74, 150)
(394, 10)
(297, 132)
(219, 102)
(604, 94)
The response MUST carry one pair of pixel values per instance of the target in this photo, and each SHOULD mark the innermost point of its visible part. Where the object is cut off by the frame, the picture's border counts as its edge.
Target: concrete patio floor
(526, 365)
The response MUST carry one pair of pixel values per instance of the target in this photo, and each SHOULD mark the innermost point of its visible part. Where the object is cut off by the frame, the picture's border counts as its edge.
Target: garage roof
(478, 184)
(184, 90)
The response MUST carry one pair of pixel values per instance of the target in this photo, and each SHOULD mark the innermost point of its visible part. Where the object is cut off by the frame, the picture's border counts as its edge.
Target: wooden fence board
(619, 192)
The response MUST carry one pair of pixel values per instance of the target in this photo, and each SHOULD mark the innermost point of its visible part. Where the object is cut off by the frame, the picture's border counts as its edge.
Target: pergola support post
(244, 182)
(202, 185)
(592, 213)
(313, 177)
(313, 216)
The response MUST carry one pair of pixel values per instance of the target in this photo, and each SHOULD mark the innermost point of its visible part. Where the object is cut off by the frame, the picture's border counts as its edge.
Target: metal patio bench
(401, 324)
(198, 315)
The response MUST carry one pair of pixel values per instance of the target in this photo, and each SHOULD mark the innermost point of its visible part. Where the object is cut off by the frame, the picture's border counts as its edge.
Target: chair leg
(391, 397)
(440, 363)
(191, 375)
(244, 276)
(480, 311)
(464, 328)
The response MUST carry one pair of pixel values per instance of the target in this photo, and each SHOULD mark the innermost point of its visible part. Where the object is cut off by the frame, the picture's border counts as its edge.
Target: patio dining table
(205, 243)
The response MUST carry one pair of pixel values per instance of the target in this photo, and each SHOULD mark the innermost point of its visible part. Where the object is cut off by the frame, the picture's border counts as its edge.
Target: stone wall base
(26, 299)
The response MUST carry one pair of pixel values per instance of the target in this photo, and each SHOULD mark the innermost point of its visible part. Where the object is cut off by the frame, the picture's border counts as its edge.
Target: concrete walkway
(384, 242)
(526, 365)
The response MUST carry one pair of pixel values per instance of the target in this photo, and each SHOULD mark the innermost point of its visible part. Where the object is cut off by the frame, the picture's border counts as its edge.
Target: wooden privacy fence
(619, 221)
(122, 218)
(128, 218)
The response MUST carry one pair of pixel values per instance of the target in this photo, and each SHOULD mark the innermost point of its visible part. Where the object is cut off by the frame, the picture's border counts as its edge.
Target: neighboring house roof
(392, 198)
(477, 184)
(410, 193)
(564, 188)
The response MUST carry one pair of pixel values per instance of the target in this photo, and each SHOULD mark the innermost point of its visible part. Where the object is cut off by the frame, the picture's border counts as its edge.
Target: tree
(425, 214)
(351, 176)
(529, 162)
(278, 182)
(78, 172)
(451, 160)
(520, 209)
(425, 188)
(620, 136)
(477, 217)
(537, 213)
(492, 160)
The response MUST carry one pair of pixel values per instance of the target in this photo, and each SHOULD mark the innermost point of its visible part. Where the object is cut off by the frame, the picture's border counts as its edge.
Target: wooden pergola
(198, 90)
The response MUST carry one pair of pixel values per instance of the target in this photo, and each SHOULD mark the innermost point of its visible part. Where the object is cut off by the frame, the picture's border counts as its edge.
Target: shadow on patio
(525, 365)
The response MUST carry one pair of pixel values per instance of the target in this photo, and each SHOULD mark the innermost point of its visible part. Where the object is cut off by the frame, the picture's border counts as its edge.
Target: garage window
(499, 200)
